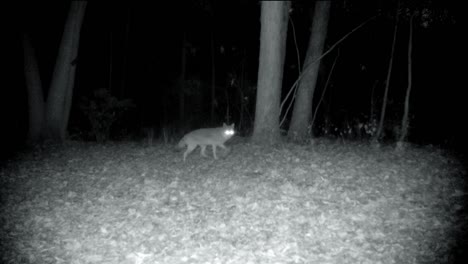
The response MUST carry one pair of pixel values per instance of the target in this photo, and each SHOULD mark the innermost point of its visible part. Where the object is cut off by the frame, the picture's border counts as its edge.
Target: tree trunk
(405, 121)
(111, 61)
(213, 78)
(378, 135)
(240, 89)
(61, 88)
(274, 26)
(302, 113)
(34, 89)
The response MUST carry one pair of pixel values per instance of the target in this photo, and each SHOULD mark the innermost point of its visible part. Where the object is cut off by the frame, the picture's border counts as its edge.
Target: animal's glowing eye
(229, 132)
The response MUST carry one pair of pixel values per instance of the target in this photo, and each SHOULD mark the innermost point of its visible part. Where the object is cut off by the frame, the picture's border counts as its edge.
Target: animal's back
(205, 136)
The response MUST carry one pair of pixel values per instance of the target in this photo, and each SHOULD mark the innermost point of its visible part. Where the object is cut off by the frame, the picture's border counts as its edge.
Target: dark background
(149, 38)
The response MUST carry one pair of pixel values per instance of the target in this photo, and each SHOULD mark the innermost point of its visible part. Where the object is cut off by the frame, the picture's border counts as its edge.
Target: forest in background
(135, 52)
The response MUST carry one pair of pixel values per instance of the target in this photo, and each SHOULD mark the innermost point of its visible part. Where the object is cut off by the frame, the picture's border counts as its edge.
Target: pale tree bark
(61, 88)
(72, 72)
(405, 121)
(302, 113)
(240, 89)
(213, 76)
(380, 127)
(36, 103)
(274, 25)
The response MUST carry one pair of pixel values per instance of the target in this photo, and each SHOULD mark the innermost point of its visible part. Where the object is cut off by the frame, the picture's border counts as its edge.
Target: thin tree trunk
(325, 87)
(303, 73)
(405, 121)
(302, 113)
(378, 135)
(213, 78)
(372, 115)
(34, 87)
(182, 81)
(274, 26)
(111, 61)
(61, 88)
(241, 88)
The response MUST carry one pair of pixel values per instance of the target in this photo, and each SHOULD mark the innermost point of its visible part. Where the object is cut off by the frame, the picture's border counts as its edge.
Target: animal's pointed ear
(224, 125)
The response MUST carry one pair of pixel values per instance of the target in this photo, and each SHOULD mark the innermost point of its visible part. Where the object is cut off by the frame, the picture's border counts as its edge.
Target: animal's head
(228, 130)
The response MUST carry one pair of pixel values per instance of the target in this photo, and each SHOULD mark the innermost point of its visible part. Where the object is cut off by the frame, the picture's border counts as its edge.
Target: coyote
(207, 136)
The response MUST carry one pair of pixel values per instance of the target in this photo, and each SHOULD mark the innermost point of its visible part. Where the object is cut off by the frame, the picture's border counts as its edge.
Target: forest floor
(330, 202)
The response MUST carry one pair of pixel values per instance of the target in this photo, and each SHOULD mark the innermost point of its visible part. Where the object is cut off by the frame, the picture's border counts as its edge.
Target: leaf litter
(321, 203)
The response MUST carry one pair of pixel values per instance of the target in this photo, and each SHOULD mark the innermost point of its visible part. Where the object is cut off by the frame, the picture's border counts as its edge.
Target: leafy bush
(103, 110)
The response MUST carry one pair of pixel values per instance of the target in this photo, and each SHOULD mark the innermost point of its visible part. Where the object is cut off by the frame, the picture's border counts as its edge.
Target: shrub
(103, 110)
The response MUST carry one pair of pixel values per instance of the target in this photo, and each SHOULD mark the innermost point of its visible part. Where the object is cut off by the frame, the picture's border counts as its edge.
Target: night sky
(149, 39)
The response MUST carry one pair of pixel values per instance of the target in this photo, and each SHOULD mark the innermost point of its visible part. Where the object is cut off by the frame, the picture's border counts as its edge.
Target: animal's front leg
(202, 151)
(214, 152)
